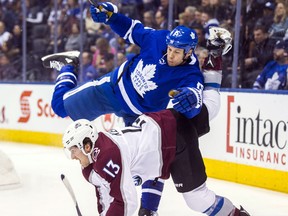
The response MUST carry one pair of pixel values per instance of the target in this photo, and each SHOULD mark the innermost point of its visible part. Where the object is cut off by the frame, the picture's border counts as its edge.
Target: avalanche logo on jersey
(95, 153)
(141, 78)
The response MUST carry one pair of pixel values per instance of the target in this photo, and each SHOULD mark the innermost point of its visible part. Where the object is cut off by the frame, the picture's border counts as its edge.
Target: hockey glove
(187, 101)
(219, 41)
(103, 12)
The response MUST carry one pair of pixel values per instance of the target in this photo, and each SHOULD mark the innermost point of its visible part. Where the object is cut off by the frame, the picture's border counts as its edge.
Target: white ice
(42, 192)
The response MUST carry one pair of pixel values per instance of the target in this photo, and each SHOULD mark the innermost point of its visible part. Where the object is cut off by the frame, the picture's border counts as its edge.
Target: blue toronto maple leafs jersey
(147, 81)
(273, 77)
(137, 86)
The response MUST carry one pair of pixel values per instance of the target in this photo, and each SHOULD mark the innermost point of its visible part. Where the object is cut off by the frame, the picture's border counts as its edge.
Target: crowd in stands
(263, 23)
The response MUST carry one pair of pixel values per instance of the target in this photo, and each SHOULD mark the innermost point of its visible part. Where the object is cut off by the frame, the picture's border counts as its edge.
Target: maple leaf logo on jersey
(141, 78)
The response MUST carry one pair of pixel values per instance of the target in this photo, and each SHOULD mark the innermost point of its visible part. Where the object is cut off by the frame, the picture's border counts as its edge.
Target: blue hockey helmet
(183, 38)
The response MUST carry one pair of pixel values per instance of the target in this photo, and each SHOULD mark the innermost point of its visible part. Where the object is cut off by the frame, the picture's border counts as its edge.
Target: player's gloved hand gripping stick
(101, 12)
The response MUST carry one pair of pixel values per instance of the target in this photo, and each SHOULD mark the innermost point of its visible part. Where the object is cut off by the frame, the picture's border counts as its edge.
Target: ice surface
(42, 192)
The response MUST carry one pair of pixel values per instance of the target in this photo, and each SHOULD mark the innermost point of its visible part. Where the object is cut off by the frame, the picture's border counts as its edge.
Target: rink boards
(247, 142)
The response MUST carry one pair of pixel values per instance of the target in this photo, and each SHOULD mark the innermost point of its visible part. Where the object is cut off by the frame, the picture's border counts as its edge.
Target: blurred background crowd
(30, 29)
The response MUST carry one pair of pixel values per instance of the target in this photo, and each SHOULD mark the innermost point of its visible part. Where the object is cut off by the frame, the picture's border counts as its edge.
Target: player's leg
(189, 176)
(89, 100)
(211, 98)
(150, 198)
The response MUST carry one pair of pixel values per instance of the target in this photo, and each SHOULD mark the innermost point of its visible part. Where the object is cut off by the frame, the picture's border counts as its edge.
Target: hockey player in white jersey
(156, 145)
(166, 62)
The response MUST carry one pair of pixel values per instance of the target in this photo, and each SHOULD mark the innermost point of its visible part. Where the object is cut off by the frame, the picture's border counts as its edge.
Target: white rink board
(249, 132)
(250, 129)
(28, 107)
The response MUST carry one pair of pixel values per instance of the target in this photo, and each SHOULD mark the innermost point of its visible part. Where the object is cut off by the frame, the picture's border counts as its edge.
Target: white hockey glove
(219, 41)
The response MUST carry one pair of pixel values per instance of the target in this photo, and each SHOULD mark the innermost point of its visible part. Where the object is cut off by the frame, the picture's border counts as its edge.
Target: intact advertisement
(251, 129)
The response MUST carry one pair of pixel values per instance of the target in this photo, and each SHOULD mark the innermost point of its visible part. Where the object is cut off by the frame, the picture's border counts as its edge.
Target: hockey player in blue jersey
(166, 62)
(274, 74)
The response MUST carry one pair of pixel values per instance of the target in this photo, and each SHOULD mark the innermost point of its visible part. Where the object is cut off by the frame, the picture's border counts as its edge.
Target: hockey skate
(241, 212)
(58, 60)
(218, 44)
(146, 212)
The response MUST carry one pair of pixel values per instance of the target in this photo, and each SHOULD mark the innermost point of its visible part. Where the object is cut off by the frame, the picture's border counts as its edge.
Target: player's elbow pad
(58, 102)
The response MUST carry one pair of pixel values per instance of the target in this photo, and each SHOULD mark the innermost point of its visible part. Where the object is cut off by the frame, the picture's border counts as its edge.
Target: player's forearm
(120, 24)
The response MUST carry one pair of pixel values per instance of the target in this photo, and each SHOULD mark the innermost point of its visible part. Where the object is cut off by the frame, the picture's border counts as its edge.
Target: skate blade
(58, 60)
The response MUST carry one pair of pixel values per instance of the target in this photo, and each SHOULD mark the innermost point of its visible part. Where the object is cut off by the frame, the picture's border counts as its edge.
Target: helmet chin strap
(185, 60)
(90, 158)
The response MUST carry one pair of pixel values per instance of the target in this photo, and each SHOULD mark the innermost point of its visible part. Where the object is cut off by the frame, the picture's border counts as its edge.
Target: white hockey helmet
(76, 133)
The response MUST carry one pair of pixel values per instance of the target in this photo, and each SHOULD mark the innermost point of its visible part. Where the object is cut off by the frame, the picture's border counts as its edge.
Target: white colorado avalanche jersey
(143, 151)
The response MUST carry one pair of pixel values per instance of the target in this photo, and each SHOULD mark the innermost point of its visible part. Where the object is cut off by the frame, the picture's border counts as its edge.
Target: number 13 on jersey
(111, 169)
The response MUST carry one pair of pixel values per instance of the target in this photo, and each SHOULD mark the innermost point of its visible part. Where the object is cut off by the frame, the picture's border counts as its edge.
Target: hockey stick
(70, 190)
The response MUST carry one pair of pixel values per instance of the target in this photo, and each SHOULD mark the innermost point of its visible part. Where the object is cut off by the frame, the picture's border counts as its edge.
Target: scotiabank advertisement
(251, 129)
(28, 107)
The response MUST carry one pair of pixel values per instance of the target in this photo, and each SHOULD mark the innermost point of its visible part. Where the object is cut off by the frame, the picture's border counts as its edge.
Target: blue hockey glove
(187, 100)
(103, 12)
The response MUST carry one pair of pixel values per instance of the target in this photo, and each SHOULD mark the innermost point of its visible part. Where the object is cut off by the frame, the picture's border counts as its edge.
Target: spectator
(5, 36)
(268, 15)
(201, 35)
(15, 44)
(73, 9)
(74, 39)
(91, 27)
(208, 20)
(149, 19)
(71, 14)
(183, 19)
(35, 14)
(191, 16)
(161, 19)
(219, 10)
(107, 65)
(8, 16)
(274, 75)
(151, 5)
(280, 24)
(89, 71)
(230, 10)
(198, 17)
(101, 49)
(254, 10)
(61, 40)
(201, 53)
(55, 15)
(261, 54)
(7, 70)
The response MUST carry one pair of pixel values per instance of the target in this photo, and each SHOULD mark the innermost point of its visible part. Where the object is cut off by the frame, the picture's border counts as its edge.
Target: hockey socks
(151, 194)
